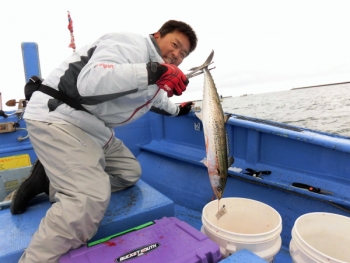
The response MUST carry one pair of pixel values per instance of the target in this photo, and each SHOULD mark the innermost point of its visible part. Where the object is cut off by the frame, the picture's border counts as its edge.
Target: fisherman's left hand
(185, 108)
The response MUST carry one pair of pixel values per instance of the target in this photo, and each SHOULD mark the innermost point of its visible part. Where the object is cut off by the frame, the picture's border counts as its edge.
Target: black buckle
(35, 79)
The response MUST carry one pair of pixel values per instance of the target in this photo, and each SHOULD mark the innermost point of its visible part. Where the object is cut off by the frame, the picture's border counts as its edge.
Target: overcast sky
(260, 45)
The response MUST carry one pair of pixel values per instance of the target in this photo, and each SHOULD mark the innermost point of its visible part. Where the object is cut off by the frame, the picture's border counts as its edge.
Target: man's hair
(174, 25)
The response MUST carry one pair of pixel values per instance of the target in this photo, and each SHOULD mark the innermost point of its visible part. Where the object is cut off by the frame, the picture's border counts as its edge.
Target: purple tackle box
(167, 240)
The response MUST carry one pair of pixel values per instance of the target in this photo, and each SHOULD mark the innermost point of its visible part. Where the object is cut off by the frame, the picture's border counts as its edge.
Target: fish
(213, 120)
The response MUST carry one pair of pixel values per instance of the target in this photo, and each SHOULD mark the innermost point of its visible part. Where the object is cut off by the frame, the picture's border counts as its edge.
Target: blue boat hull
(170, 151)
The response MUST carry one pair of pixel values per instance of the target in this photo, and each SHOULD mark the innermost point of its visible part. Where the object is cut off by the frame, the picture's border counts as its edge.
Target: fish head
(219, 188)
(218, 183)
(218, 192)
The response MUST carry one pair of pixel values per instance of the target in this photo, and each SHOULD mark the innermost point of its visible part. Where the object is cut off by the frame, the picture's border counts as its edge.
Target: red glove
(173, 81)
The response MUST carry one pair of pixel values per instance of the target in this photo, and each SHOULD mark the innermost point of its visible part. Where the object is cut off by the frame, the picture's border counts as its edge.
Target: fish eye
(219, 189)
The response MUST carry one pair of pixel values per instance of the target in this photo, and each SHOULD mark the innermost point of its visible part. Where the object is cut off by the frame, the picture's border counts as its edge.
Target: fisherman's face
(174, 47)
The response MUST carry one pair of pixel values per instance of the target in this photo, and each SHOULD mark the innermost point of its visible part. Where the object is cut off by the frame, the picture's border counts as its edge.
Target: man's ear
(156, 35)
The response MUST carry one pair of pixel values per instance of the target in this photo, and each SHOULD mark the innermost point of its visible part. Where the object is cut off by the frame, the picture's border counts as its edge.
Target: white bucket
(321, 237)
(247, 224)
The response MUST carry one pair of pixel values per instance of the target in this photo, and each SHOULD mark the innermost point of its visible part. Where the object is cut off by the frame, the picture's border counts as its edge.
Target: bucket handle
(230, 249)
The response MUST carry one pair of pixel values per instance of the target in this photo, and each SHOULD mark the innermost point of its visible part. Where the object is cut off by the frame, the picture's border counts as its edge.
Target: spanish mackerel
(213, 120)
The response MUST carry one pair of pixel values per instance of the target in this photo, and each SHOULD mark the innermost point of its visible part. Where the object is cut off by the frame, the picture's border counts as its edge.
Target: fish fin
(230, 161)
(199, 115)
(204, 161)
(205, 64)
(226, 117)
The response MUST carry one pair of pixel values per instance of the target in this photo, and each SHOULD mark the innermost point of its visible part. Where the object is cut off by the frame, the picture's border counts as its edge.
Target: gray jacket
(109, 78)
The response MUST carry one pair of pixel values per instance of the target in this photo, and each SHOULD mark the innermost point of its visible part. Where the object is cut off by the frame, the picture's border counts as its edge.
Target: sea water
(325, 108)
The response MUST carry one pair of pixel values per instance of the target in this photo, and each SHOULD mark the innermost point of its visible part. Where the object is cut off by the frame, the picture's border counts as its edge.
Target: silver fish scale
(213, 123)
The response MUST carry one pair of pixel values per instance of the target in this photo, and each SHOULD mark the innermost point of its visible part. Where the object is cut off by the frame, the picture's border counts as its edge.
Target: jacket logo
(103, 65)
(137, 252)
(167, 88)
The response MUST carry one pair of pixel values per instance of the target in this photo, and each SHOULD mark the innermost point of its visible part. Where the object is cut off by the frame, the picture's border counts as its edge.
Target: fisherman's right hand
(168, 77)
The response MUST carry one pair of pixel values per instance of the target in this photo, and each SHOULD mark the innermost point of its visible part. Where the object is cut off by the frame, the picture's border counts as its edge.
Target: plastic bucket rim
(310, 248)
(267, 233)
(275, 229)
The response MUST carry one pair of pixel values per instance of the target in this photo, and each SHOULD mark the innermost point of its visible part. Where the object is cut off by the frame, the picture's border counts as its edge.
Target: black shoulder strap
(62, 97)
(34, 84)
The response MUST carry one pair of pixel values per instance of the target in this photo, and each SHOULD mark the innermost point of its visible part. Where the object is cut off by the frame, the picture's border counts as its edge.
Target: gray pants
(83, 176)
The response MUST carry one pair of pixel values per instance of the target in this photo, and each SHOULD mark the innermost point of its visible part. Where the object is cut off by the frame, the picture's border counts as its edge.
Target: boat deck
(127, 209)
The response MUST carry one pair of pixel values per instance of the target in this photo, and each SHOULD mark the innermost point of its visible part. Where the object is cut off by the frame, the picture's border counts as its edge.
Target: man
(112, 82)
